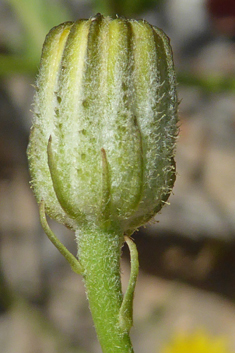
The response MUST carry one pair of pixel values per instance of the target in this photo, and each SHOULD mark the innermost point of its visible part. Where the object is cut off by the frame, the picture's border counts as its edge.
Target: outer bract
(102, 145)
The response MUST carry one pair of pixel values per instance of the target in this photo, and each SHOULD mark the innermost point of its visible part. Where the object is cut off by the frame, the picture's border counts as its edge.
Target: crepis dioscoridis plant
(101, 151)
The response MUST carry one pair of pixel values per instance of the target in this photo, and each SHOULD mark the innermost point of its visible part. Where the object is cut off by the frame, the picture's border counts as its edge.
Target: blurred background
(187, 257)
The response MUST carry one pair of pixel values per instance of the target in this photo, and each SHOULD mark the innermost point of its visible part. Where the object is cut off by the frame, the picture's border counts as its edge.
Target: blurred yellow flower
(198, 342)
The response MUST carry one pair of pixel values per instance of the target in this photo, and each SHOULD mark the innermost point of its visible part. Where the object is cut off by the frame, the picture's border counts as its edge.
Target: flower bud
(105, 123)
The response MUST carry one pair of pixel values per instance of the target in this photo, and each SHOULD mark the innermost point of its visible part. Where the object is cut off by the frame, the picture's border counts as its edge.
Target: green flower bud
(105, 123)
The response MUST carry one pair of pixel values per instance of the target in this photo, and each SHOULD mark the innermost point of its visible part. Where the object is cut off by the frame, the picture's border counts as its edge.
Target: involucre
(102, 145)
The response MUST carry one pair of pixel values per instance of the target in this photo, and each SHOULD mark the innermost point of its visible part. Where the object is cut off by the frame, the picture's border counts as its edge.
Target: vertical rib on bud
(106, 121)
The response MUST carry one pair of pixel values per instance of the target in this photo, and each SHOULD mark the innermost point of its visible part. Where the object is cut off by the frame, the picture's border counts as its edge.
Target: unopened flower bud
(105, 123)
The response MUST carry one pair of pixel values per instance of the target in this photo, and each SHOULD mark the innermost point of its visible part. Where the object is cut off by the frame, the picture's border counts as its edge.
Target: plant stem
(99, 253)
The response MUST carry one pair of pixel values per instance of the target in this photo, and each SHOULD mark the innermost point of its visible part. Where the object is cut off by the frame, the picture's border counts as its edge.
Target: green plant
(35, 18)
(124, 7)
(101, 151)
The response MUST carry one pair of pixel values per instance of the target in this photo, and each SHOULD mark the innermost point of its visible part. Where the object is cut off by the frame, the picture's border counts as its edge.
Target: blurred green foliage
(36, 18)
(128, 8)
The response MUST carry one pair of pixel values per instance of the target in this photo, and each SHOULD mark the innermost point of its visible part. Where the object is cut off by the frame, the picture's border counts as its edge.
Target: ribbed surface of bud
(105, 123)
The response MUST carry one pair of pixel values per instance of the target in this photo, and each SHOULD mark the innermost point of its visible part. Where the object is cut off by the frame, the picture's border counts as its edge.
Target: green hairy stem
(99, 253)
